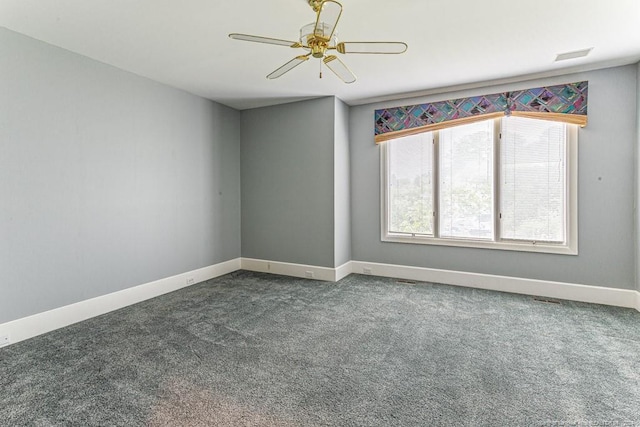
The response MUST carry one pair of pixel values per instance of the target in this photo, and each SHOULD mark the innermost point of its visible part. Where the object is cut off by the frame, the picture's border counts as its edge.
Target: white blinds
(466, 181)
(532, 180)
(410, 185)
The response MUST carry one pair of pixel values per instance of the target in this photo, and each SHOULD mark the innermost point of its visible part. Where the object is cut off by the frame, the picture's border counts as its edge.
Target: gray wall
(342, 198)
(637, 183)
(107, 180)
(287, 164)
(606, 217)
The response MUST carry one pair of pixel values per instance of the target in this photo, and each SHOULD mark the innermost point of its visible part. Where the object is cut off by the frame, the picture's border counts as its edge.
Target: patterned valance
(566, 103)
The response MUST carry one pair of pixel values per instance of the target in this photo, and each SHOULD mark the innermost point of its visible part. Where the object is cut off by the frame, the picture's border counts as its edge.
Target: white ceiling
(452, 43)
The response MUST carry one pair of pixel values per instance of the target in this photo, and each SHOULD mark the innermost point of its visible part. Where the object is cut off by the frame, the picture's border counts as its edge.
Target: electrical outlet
(308, 274)
(366, 270)
(190, 281)
(5, 340)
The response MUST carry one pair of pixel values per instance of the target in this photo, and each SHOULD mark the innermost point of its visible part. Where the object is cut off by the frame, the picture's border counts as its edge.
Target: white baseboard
(37, 324)
(296, 270)
(343, 271)
(543, 288)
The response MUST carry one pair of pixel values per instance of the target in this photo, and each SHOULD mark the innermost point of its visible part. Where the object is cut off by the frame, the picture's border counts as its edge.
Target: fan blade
(288, 66)
(372, 47)
(334, 64)
(328, 17)
(266, 40)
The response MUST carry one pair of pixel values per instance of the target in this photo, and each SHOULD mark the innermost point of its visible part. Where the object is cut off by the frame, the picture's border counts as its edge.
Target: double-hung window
(508, 183)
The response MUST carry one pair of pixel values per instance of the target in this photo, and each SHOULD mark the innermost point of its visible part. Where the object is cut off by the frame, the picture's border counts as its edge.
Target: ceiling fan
(319, 38)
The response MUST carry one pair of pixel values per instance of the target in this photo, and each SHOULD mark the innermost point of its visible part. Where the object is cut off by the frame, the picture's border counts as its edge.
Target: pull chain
(320, 68)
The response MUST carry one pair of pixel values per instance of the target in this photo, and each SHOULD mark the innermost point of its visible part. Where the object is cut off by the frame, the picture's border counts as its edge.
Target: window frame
(569, 247)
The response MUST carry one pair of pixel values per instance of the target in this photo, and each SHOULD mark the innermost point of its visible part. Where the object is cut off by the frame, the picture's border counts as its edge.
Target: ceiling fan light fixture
(320, 37)
(317, 43)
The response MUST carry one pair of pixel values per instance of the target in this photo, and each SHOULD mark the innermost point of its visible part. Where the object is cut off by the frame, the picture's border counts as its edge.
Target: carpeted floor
(250, 349)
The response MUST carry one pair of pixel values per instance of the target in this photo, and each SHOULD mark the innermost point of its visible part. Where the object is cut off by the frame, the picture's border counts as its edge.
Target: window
(508, 183)
(466, 181)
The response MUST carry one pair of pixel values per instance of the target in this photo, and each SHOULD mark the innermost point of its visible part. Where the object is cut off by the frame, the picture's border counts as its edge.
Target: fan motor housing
(315, 37)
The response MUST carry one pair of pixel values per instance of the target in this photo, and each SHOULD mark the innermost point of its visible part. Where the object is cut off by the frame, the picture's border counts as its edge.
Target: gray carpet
(250, 349)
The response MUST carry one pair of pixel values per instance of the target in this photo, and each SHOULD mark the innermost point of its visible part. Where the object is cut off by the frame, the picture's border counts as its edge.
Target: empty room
(319, 213)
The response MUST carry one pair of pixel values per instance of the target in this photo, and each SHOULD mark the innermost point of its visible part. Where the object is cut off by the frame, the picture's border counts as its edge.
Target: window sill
(550, 248)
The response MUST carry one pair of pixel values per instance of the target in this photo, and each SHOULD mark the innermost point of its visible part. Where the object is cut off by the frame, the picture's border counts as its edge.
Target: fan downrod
(315, 4)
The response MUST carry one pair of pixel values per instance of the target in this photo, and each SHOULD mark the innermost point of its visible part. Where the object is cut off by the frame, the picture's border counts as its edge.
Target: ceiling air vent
(572, 55)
